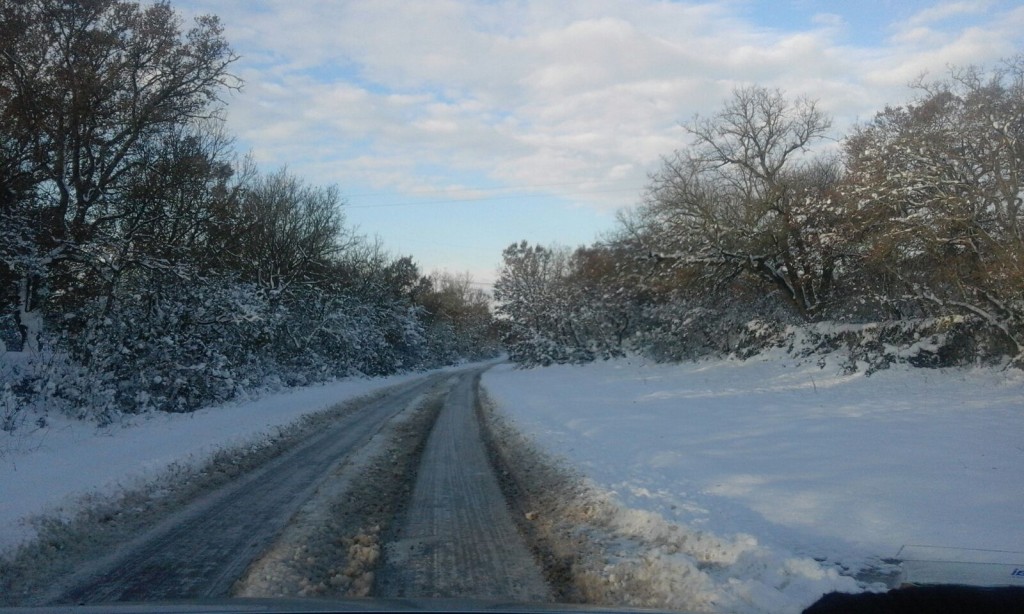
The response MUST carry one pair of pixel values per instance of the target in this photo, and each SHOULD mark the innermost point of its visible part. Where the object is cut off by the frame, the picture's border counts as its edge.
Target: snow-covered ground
(786, 463)
(45, 471)
(752, 469)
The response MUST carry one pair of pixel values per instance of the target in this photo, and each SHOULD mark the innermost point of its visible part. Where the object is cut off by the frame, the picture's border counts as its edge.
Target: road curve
(457, 538)
(201, 551)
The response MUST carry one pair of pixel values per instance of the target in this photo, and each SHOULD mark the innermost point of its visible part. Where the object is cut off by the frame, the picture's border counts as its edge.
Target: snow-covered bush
(34, 385)
(171, 344)
(928, 342)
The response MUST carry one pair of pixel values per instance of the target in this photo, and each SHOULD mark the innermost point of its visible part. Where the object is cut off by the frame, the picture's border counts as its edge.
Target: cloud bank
(577, 100)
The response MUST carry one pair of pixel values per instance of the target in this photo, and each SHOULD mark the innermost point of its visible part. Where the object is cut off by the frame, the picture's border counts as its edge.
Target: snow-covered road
(202, 550)
(310, 517)
(48, 472)
(457, 537)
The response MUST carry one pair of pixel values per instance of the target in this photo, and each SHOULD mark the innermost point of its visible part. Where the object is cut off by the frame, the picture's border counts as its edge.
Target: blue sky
(455, 128)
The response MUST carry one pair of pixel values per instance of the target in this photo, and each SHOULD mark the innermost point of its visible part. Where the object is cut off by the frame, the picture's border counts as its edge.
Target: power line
(478, 199)
(532, 186)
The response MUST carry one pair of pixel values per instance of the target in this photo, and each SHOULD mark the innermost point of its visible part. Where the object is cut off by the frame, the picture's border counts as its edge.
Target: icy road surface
(203, 550)
(458, 538)
(447, 529)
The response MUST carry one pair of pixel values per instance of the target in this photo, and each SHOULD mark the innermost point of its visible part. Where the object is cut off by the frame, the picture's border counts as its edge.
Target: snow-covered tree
(531, 297)
(559, 305)
(938, 190)
(87, 87)
(142, 264)
(745, 198)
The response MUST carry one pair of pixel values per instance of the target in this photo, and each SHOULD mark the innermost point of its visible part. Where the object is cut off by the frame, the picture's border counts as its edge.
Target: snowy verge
(950, 341)
(756, 481)
(597, 551)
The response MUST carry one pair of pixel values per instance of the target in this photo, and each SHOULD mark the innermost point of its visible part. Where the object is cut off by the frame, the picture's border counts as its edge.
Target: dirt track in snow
(422, 516)
(457, 538)
(201, 550)
(393, 497)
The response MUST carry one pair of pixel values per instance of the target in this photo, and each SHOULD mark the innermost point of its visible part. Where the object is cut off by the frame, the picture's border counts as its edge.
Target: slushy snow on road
(49, 471)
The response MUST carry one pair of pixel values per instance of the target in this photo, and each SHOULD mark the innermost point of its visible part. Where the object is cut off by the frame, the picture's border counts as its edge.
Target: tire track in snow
(457, 538)
(202, 550)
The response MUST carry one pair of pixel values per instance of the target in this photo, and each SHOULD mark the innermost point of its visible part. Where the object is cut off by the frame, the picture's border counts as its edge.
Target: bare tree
(745, 198)
(285, 232)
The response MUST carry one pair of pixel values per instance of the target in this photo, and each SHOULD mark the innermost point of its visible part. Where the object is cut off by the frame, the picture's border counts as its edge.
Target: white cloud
(947, 10)
(829, 20)
(529, 93)
(930, 53)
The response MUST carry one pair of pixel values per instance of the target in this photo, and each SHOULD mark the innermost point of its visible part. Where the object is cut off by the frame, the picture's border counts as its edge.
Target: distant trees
(555, 305)
(143, 264)
(457, 316)
(747, 230)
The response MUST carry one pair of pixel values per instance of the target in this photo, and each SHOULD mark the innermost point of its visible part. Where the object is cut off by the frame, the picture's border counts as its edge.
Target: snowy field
(46, 471)
(784, 463)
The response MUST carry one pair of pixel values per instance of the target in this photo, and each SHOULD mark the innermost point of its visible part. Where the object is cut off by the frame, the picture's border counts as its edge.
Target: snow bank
(780, 474)
(47, 470)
